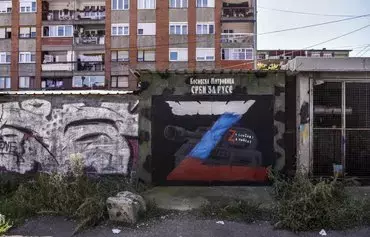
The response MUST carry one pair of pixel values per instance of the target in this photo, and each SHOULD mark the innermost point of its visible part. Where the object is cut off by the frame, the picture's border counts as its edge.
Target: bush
(304, 205)
(74, 195)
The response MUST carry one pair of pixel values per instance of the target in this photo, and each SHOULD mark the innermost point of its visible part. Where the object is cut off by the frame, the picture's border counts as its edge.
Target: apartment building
(93, 44)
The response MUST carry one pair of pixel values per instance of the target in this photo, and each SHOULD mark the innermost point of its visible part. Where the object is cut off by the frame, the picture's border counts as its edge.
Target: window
(52, 84)
(27, 32)
(205, 28)
(145, 4)
(119, 81)
(120, 56)
(4, 82)
(146, 56)
(26, 82)
(27, 6)
(205, 54)
(237, 54)
(178, 54)
(6, 7)
(58, 31)
(26, 57)
(205, 3)
(178, 28)
(146, 28)
(5, 32)
(88, 81)
(5, 57)
(120, 4)
(178, 3)
(120, 29)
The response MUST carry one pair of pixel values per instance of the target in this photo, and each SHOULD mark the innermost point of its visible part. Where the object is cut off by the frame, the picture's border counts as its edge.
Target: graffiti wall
(205, 138)
(44, 133)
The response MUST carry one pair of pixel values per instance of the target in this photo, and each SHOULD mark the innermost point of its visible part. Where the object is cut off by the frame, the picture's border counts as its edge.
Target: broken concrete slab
(125, 207)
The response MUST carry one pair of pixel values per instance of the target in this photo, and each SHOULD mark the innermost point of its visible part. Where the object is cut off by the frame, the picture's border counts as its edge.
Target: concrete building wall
(47, 133)
(303, 122)
(146, 16)
(238, 27)
(27, 19)
(27, 45)
(178, 15)
(205, 41)
(6, 19)
(119, 42)
(120, 16)
(146, 41)
(176, 86)
(205, 14)
(27, 69)
(178, 41)
(5, 45)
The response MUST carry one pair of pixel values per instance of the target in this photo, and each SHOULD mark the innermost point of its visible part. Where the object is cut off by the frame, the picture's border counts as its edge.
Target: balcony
(89, 15)
(92, 66)
(50, 67)
(237, 12)
(90, 42)
(237, 40)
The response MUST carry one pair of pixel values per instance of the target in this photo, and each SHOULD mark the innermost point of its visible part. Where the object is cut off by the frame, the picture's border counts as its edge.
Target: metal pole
(255, 34)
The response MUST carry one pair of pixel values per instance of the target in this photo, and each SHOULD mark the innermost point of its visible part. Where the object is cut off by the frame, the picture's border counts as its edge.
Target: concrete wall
(170, 84)
(303, 108)
(43, 133)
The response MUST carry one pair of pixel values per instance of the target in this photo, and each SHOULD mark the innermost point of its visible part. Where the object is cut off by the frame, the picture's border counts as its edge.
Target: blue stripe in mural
(210, 140)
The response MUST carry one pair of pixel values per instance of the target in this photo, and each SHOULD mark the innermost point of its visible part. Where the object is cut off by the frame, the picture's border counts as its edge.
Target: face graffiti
(36, 136)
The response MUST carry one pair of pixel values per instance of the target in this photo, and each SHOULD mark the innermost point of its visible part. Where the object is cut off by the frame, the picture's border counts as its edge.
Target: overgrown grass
(75, 195)
(5, 224)
(303, 204)
(236, 210)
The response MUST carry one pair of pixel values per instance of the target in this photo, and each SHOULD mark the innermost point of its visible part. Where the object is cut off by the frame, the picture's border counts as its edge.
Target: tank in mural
(45, 134)
(223, 138)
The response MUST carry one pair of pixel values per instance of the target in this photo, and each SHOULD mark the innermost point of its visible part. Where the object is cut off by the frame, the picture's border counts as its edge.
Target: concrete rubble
(125, 207)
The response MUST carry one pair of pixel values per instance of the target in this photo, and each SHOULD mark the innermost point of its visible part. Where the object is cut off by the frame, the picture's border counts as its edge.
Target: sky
(268, 20)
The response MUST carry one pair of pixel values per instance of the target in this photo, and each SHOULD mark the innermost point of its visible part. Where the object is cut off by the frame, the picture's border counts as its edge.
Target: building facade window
(205, 54)
(119, 81)
(146, 55)
(178, 3)
(205, 28)
(146, 28)
(27, 32)
(205, 3)
(120, 56)
(237, 54)
(27, 57)
(5, 57)
(52, 84)
(88, 81)
(4, 83)
(178, 28)
(178, 54)
(120, 4)
(26, 82)
(145, 4)
(120, 29)
(6, 7)
(58, 31)
(27, 6)
(5, 32)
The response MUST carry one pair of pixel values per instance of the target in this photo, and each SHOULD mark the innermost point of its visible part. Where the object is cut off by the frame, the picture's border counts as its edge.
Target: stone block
(125, 207)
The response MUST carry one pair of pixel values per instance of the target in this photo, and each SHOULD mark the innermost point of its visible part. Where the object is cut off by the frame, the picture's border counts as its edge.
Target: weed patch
(75, 196)
(236, 210)
(303, 205)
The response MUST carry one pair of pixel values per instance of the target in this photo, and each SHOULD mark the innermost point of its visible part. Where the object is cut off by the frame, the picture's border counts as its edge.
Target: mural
(223, 138)
(44, 135)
